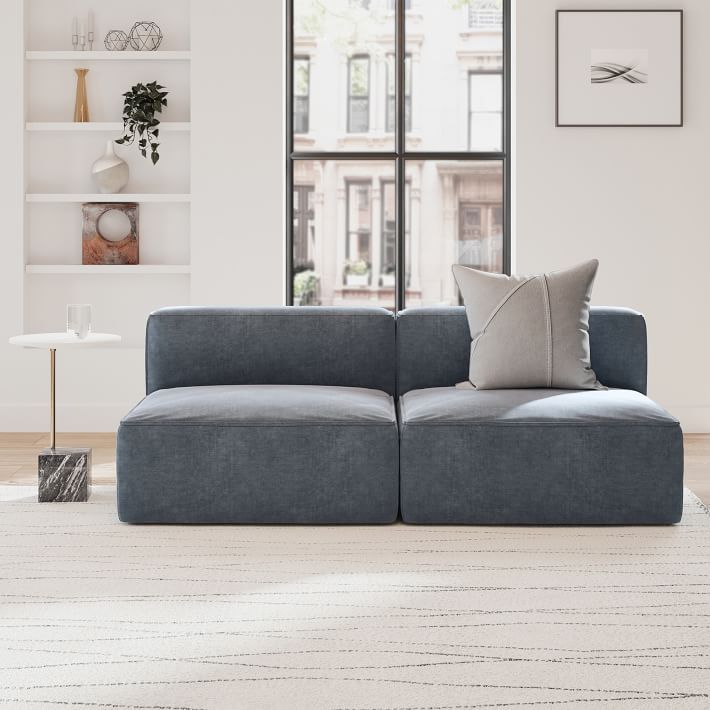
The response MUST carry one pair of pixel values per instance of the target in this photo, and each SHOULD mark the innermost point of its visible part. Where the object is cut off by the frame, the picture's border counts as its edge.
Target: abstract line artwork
(619, 67)
(612, 72)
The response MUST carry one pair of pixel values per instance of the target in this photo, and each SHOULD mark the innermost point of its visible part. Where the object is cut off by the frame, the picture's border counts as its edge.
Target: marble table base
(64, 475)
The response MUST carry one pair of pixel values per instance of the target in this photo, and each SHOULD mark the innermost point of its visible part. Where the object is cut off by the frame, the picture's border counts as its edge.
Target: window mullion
(400, 168)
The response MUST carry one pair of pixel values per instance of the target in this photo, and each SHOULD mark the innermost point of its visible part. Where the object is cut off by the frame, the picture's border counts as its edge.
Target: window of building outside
(390, 185)
(359, 94)
(301, 91)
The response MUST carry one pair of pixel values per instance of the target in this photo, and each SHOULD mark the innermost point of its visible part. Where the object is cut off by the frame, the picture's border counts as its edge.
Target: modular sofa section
(538, 457)
(259, 454)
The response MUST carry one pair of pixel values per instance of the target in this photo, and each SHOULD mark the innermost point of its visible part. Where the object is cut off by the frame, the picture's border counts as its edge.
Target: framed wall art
(619, 68)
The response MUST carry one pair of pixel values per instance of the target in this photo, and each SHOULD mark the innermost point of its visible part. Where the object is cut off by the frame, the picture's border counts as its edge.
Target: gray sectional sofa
(350, 415)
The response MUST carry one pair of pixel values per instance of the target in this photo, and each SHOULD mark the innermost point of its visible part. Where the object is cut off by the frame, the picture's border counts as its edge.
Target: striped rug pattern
(96, 614)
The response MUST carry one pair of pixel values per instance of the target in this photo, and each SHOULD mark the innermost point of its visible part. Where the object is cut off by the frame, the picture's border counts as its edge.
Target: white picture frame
(619, 68)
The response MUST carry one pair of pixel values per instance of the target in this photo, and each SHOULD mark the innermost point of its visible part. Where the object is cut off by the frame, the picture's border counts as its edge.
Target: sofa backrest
(433, 347)
(349, 347)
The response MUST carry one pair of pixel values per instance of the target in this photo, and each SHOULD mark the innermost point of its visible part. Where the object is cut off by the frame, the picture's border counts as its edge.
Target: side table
(64, 474)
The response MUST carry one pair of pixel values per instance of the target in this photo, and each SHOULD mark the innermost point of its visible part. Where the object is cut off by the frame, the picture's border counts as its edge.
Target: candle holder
(74, 41)
(91, 41)
(82, 42)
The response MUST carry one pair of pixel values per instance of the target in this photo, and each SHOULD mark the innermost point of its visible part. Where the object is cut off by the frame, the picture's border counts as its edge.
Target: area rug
(97, 614)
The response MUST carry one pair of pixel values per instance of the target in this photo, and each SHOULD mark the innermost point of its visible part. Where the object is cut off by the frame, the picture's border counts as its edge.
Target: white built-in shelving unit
(58, 155)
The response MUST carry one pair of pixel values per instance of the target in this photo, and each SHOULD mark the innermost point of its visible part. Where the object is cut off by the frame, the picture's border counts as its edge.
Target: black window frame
(400, 155)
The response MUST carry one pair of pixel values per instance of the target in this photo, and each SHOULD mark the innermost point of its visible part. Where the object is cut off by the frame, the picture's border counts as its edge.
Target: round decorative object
(116, 41)
(113, 225)
(145, 36)
(109, 172)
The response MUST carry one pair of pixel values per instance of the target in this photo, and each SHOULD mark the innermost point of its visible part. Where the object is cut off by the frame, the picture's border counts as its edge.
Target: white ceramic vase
(109, 172)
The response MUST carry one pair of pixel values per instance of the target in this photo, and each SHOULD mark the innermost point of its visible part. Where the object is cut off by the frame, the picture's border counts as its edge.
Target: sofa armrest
(617, 340)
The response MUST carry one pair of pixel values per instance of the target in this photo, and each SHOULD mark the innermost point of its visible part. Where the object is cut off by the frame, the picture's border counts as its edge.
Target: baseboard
(70, 417)
(693, 420)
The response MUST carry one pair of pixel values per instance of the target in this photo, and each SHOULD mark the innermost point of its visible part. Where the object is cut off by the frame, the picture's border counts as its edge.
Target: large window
(398, 148)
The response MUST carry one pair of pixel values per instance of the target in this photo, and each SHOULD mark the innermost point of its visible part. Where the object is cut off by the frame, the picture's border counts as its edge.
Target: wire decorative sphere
(116, 41)
(145, 36)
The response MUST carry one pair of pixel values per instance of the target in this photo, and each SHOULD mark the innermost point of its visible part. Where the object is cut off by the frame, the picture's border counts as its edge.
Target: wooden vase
(81, 106)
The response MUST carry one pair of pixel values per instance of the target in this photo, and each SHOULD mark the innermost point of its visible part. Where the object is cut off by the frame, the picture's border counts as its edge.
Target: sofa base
(261, 475)
(513, 475)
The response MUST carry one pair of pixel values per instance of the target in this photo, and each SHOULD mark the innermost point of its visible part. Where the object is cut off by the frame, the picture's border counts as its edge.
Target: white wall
(635, 198)
(237, 153)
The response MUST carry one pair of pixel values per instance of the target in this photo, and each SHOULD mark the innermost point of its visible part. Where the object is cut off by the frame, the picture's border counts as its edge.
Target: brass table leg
(52, 399)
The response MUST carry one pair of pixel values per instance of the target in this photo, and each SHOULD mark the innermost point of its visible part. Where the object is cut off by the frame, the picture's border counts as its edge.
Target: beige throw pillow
(529, 331)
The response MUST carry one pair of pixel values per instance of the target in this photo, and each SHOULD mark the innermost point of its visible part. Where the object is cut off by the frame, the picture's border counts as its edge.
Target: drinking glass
(79, 319)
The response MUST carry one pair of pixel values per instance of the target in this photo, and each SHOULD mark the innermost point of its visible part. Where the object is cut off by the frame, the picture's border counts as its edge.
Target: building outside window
(301, 94)
(359, 94)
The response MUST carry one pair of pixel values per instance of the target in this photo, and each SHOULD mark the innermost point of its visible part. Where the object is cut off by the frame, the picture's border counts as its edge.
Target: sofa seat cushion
(264, 405)
(259, 454)
(538, 457)
(448, 405)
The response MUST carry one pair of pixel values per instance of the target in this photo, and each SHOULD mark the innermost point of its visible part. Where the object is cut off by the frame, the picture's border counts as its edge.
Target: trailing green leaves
(140, 105)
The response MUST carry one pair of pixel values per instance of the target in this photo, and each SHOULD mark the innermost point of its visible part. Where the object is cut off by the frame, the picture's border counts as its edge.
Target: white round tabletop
(55, 341)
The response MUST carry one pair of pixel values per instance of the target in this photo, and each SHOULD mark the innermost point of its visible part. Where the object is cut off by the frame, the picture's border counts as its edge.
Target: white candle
(91, 21)
(82, 29)
(75, 26)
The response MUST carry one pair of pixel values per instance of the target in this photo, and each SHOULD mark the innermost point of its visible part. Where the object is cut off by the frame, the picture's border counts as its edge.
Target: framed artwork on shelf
(619, 68)
(109, 233)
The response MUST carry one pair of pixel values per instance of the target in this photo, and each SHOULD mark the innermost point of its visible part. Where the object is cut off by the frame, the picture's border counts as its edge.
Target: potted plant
(357, 273)
(140, 105)
(388, 276)
(305, 288)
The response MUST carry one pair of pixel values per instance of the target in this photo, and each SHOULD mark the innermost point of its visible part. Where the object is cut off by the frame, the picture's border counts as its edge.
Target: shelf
(158, 56)
(107, 269)
(97, 126)
(98, 197)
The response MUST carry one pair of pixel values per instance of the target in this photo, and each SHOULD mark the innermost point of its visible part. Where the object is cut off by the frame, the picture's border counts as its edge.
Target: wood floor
(18, 458)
